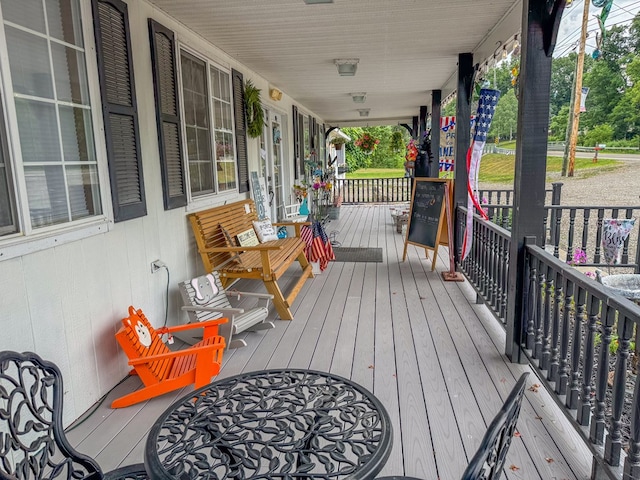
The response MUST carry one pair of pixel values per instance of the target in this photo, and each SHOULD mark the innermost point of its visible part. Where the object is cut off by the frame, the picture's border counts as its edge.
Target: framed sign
(426, 215)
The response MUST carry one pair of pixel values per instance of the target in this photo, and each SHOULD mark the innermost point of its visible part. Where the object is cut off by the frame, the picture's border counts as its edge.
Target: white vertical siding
(65, 302)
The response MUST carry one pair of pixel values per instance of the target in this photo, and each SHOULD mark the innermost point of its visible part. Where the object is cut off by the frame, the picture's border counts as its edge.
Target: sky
(622, 12)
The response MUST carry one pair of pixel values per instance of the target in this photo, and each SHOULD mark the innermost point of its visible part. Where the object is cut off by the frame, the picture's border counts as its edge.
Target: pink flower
(316, 186)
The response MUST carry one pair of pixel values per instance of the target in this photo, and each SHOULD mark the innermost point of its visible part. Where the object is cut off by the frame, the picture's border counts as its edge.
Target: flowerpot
(338, 146)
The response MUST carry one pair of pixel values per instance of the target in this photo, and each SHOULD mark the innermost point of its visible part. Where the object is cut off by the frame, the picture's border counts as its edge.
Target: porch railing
(373, 190)
(577, 336)
(571, 227)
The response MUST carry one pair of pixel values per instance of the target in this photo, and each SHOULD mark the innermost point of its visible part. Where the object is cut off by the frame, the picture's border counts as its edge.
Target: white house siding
(65, 303)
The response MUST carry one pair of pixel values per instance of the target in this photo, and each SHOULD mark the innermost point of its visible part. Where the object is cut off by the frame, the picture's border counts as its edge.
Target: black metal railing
(373, 190)
(579, 338)
(487, 265)
(582, 340)
(499, 197)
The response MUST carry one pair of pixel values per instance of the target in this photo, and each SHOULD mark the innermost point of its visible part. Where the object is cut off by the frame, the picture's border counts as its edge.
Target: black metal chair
(33, 444)
(488, 462)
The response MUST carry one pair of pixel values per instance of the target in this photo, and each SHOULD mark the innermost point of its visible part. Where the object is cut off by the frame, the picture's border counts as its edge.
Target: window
(208, 120)
(223, 129)
(56, 175)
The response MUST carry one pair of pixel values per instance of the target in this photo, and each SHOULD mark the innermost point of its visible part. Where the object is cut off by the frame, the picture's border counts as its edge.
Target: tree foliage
(384, 156)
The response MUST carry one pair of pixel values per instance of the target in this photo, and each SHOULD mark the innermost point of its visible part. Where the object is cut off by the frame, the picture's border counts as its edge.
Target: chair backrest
(488, 461)
(32, 440)
(204, 291)
(139, 339)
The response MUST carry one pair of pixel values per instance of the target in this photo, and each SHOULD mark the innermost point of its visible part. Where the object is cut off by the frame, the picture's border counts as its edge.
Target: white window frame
(201, 201)
(27, 240)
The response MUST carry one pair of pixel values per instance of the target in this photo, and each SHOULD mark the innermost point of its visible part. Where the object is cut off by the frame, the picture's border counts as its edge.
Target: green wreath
(253, 107)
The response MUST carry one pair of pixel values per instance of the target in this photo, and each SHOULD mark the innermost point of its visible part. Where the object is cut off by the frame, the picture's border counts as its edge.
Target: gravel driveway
(619, 186)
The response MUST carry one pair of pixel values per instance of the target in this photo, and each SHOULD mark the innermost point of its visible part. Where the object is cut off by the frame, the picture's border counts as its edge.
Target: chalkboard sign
(426, 215)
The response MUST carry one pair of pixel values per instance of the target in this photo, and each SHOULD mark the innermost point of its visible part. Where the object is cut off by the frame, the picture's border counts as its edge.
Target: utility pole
(574, 114)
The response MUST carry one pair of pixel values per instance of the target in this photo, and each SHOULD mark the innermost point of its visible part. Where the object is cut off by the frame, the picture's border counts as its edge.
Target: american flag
(319, 247)
(486, 109)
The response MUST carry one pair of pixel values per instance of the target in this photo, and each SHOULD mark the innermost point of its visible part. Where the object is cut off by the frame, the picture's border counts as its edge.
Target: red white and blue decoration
(486, 109)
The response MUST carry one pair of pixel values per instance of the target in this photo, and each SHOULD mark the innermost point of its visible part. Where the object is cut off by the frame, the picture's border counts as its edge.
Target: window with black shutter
(165, 85)
(237, 81)
(111, 23)
(296, 143)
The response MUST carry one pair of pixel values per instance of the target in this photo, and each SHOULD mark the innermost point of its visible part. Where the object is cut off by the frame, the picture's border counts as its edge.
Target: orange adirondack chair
(160, 369)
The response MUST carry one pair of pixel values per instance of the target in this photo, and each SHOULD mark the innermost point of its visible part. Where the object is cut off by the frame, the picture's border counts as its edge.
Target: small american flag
(486, 109)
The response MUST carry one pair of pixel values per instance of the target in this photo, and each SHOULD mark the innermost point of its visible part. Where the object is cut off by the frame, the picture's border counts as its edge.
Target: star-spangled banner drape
(486, 109)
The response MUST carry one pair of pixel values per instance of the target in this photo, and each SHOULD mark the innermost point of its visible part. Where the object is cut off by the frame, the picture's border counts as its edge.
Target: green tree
(558, 124)
(505, 118)
(605, 87)
(625, 117)
(602, 133)
(562, 73)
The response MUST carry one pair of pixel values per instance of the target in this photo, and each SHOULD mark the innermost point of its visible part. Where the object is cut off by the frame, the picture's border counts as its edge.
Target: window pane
(63, 17)
(71, 74)
(27, 13)
(46, 194)
(29, 63)
(77, 134)
(201, 178)
(84, 192)
(218, 120)
(225, 90)
(226, 117)
(226, 165)
(38, 128)
(204, 145)
(8, 222)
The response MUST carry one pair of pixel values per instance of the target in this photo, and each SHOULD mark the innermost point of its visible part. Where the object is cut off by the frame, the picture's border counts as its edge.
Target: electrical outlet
(157, 265)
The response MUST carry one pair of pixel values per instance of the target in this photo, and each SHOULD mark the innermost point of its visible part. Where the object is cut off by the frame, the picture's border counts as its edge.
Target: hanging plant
(397, 142)
(367, 143)
(254, 111)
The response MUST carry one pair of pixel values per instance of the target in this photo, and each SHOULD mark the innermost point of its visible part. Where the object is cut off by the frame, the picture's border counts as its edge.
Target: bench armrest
(257, 248)
(190, 326)
(231, 311)
(236, 293)
(178, 353)
(290, 224)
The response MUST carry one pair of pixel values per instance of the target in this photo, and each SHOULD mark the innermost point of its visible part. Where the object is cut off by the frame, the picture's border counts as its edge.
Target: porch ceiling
(407, 48)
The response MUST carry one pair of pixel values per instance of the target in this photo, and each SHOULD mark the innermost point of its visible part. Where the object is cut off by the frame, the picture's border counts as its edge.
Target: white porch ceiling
(407, 48)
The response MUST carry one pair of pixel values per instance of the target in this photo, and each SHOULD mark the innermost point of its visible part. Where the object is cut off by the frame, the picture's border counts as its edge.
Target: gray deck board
(422, 345)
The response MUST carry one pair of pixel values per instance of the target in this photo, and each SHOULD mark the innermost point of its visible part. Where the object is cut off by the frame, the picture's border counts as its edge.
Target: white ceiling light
(315, 2)
(347, 66)
(359, 97)
(364, 112)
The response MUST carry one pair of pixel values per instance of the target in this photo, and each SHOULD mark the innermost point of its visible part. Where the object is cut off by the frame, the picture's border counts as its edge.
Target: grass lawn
(498, 168)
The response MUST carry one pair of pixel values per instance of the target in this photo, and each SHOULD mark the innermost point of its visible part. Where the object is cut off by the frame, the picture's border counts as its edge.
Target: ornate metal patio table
(282, 424)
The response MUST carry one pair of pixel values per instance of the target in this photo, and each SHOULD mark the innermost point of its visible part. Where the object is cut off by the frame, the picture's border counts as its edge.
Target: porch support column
(415, 128)
(423, 122)
(540, 21)
(436, 102)
(466, 74)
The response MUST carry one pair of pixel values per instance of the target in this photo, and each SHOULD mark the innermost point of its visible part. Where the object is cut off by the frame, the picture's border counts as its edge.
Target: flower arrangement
(411, 155)
(397, 142)
(338, 141)
(580, 258)
(300, 191)
(367, 143)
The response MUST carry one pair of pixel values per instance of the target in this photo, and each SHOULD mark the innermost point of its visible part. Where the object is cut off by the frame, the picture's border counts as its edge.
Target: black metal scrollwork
(284, 424)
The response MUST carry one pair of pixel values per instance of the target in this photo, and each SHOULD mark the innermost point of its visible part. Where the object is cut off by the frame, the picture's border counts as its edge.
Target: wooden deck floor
(432, 356)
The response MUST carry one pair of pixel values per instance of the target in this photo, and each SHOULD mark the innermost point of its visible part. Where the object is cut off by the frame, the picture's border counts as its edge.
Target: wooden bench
(216, 228)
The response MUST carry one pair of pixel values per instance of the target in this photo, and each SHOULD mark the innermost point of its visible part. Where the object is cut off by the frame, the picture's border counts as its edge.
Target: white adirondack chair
(206, 299)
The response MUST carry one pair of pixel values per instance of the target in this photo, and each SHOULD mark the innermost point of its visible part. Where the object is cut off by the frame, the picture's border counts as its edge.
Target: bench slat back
(206, 229)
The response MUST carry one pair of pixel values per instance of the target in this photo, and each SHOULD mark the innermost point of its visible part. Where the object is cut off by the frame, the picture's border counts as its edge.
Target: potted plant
(338, 142)
(367, 143)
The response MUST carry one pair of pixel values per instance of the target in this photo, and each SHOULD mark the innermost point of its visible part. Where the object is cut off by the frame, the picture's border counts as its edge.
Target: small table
(272, 424)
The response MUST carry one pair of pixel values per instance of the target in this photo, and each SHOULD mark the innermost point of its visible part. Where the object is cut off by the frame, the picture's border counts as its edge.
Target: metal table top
(280, 424)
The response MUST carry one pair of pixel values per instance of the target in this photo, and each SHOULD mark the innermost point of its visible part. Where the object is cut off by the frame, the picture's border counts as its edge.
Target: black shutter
(301, 144)
(165, 87)
(296, 144)
(111, 23)
(241, 130)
